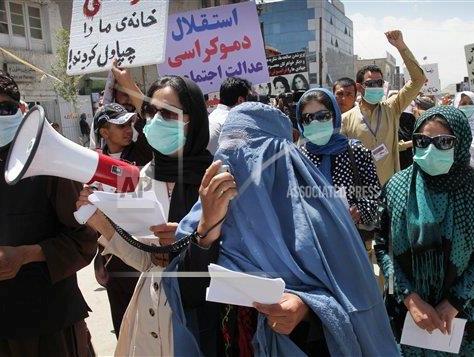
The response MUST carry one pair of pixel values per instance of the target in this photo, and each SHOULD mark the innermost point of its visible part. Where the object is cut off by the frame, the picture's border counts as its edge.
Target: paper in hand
(133, 212)
(412, 335)
(234, 288)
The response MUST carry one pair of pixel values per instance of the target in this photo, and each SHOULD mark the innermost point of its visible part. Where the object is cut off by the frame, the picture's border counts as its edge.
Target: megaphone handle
(83, 214)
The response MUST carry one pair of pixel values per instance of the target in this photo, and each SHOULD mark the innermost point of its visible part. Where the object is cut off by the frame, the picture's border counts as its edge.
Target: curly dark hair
(9, 87)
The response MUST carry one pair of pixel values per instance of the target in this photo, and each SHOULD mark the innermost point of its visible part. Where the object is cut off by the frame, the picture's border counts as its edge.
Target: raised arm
(410, 90)
(126, 84)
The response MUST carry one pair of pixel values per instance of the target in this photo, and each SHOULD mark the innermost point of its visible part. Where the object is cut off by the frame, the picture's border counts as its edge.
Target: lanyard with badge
(380, 151)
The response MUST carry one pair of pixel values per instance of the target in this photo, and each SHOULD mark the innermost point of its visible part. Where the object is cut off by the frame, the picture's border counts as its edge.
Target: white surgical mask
(8, 126)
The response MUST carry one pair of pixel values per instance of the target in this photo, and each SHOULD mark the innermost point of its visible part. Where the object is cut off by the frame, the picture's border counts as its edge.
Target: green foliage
(69, 87)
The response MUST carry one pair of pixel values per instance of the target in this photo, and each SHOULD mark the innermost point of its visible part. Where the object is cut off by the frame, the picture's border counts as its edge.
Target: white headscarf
(458, 97)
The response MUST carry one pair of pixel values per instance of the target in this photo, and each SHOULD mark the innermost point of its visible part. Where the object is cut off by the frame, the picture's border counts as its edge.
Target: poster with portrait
(288, 72)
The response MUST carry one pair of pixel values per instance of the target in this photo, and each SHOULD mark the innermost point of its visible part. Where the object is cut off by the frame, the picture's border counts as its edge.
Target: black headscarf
(186, 171)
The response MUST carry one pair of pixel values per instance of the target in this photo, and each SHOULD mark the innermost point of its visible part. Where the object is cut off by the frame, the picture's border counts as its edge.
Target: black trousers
(72, 341)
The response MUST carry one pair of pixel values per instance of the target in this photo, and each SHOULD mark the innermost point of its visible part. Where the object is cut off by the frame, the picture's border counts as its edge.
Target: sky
(438, 30)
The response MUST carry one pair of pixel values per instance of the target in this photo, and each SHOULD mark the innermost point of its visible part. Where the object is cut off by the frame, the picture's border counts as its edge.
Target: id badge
(380, 152)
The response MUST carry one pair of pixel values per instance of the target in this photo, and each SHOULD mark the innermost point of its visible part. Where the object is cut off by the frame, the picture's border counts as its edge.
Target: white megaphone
(38, 149)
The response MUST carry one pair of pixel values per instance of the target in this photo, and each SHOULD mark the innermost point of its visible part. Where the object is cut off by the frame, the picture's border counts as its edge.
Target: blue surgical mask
(374, 95)
(318, 132)
(8, 126)
(434, 161)
(165, 136)
(468, 110)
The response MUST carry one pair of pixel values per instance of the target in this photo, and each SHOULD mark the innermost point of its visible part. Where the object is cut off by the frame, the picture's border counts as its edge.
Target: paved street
(99, 321)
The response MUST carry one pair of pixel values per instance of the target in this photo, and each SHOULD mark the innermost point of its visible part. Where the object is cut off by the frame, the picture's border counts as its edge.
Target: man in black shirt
(42, 310)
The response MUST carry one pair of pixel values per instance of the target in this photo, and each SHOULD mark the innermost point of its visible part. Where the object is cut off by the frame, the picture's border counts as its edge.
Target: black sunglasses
(321, 116)
(8, 108)
(441, 142)
(151, 111)
(374, 83)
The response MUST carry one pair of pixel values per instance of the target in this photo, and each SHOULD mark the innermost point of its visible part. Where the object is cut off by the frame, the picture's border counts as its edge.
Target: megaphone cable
(175, 248)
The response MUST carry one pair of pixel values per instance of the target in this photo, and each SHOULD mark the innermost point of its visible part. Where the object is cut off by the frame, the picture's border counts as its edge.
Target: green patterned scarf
(425, 208)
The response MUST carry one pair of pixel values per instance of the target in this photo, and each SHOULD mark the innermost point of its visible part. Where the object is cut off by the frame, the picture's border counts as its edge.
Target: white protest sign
(470, 63)
(433, 84)
(131, 31)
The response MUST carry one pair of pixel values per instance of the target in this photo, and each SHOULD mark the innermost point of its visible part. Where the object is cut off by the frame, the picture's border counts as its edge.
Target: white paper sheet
(230, 287)
(134, 212)
(412, 335)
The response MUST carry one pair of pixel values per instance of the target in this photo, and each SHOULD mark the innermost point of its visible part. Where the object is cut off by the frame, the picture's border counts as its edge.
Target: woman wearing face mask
(345, 164)
(428, 224)
(180, 160)
(464, 101)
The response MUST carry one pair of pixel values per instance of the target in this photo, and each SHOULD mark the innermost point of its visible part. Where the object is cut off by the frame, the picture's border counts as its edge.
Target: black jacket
(43, 297)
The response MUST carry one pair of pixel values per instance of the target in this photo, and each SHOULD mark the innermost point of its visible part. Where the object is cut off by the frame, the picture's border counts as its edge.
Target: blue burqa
(286, 222)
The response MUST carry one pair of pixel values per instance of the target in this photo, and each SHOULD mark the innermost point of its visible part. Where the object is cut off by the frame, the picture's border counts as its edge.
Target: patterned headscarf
(427, 209)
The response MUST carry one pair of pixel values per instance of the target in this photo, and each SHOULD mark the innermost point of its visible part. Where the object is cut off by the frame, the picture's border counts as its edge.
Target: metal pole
(143, 78)
(321, 51)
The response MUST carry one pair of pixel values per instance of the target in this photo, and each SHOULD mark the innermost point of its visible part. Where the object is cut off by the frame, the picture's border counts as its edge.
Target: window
(34, 19)
(21, 25)
(3, 18)
(17, 19)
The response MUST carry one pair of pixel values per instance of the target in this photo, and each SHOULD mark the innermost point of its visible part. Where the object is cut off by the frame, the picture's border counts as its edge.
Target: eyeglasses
(374, 83)
(441, 142)
(151, 111)
(321, 116)
(8, 108)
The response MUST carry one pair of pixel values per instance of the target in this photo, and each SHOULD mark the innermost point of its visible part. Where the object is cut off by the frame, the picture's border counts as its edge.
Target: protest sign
(470, 63)
(433, 84)
(289, 63)
(211, 44)
(131, 31)
(288, 72)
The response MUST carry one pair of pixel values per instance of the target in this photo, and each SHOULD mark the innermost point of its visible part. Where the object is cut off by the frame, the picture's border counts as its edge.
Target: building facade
(27, 29)
(320, 27)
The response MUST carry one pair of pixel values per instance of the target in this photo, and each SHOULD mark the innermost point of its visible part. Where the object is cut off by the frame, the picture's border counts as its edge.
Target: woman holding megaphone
(177, 130)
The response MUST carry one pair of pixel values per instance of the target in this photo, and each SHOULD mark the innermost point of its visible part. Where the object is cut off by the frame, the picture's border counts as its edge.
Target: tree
(69, 86)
